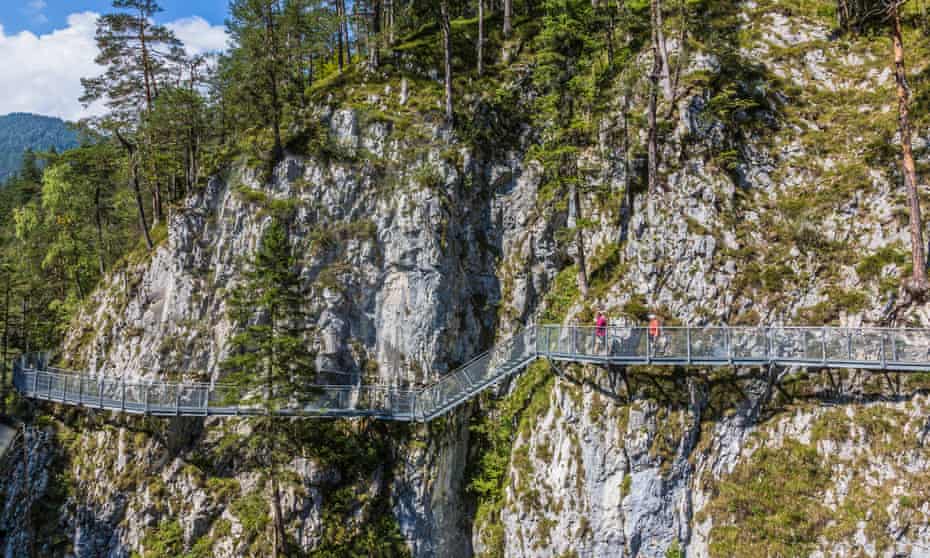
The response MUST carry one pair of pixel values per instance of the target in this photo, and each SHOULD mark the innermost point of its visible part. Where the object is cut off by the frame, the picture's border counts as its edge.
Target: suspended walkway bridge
(904, 350)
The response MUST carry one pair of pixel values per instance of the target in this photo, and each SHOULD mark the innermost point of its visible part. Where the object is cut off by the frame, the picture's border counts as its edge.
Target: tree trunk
(390, 21)
(340, 14)
(25, 326)
(658, 37)
(610, 37)
(480, 37)
(278, 150)
(145, 63)
(6, 338)
(158, 211)
(652, 136)
(134, 175)
(344, 29)
(277, 520)
(575, 209)
(27, 482)
(374, 47)
(842, 14)
(447, 56)
(143, 222)
(508, 15)
(918, 258)
(98, 222)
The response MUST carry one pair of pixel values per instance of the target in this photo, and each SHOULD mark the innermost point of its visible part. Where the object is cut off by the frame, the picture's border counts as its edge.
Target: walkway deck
(905, 350)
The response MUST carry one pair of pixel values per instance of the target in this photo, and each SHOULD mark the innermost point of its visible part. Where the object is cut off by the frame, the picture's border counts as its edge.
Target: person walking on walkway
(655, 331)
(600, 329)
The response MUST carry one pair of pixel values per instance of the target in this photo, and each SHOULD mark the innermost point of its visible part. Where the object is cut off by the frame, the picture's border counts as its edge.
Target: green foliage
(674, 550)
(165, 541)
(561, 295)
(837, 301)
(495, 435)
(636, 308)
(871, 267)
(378, 536)
(252, 512)
(771, 505)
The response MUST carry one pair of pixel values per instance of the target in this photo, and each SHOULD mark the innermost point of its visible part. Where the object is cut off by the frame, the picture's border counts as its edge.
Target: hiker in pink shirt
(600, 330)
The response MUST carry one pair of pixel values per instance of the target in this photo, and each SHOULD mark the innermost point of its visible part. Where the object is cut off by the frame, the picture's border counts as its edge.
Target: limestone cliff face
(395, 290)
(416, 253)
(397, 293)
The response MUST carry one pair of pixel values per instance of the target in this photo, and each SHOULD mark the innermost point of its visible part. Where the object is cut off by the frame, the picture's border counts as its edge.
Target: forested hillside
(372, 192)
(19, 132)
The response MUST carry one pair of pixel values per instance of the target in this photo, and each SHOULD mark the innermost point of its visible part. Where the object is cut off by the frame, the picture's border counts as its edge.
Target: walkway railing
(830, 347)
(827, 347)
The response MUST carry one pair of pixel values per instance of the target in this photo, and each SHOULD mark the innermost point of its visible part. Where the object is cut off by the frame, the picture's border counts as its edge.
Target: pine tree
(270, 362)
(256, 65)
(135, 52)
(30, 171)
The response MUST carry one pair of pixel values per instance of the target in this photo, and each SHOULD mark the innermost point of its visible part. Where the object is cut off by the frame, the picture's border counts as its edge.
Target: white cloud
(37, 5)
(198, 35)
(42, 73)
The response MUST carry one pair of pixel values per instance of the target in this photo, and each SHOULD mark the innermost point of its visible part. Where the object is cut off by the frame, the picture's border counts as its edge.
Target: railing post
(894, 347)
(80, 391)
(100, 393)
(883, 350)
(571, 340)
(688, 341)
(122, 384)
(146, 407)
(726, 343)
(177, 399)
(648, 347)
(770, 344)
(848, 345)
(35, 382)
(765, 346)
(823, 344)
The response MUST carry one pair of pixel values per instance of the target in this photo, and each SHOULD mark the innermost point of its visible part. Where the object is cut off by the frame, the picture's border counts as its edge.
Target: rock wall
(416, 253)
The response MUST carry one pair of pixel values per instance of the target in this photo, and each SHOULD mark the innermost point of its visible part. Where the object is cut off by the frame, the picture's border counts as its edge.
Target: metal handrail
(820, 346)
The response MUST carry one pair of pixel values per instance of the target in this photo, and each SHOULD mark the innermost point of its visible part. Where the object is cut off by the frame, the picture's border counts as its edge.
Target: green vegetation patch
(772, 504)
(495, 434)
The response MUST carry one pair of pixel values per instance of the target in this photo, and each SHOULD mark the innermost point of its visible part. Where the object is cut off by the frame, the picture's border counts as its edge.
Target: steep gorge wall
(416, 254)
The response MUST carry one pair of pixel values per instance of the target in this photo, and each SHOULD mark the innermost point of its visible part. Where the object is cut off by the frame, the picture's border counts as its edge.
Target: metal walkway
(905, 350)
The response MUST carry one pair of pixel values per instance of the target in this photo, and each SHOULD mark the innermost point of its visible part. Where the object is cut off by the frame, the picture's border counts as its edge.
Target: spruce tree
(270, 362)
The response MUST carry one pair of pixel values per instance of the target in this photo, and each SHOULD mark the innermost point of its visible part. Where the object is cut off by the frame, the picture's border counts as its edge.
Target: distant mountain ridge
(21, 131)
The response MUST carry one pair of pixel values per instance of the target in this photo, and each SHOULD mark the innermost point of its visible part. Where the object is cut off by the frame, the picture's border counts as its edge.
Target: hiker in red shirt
(655, 329)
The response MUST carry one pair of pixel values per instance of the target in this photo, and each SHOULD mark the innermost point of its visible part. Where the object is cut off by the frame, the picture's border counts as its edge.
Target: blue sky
(42, 16)
(47, 46)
